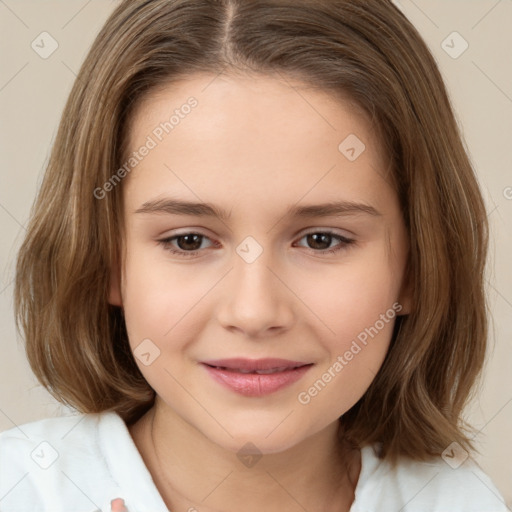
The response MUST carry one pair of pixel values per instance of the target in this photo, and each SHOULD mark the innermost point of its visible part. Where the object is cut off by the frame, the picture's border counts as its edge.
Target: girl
(255, 268)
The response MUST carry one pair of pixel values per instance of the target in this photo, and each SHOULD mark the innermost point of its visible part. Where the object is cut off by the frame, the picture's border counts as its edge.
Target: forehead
(260, 103)
(252, 138)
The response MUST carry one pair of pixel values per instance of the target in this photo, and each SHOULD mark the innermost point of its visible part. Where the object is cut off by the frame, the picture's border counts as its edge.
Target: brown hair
(77, 343)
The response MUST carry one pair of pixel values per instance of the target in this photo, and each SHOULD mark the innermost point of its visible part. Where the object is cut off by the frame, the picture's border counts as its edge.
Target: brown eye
(189, 242)
(320, 242)
(186, 244)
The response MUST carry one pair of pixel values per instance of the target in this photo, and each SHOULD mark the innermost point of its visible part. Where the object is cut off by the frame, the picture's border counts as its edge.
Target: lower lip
(252, 384)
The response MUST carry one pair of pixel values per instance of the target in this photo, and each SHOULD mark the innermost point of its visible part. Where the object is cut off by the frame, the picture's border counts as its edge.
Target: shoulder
(454, 485)
(41, 460)
(41, 442)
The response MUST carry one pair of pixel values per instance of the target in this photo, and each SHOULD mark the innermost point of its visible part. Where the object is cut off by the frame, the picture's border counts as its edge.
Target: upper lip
(240, 363)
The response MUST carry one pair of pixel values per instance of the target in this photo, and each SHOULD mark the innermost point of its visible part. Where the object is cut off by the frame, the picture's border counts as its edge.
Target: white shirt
(80, 463)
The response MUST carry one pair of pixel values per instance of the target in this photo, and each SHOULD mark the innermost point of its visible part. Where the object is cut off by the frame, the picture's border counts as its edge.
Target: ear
(405, 296)
(114, 294)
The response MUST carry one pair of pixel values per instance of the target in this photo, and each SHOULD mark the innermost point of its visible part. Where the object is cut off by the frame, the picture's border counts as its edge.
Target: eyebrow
(331, 209)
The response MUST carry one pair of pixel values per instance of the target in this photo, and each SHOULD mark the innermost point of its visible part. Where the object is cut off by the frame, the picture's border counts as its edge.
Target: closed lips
(256, 377)
(247, 365)
(259, 372)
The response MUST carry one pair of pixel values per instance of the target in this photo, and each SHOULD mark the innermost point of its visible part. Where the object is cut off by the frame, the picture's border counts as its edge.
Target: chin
(262, 437)
(258, 444)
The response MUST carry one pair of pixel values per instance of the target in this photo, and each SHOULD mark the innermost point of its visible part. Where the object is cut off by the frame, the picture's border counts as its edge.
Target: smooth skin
(256, 147)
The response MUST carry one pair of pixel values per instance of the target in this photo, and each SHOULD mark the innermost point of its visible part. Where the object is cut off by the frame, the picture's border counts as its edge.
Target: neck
(191, 472)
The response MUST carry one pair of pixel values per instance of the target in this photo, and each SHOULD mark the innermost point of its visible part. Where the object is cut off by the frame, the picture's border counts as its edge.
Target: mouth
(256, 372)
(256, 377)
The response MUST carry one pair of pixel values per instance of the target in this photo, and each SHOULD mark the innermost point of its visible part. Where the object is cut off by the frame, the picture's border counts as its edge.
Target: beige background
(32, 94)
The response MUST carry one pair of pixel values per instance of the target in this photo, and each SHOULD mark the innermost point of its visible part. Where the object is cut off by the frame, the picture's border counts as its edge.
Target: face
(296, 251)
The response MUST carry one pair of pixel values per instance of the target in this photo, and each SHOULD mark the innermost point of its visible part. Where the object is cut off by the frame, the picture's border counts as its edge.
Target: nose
(254, 299)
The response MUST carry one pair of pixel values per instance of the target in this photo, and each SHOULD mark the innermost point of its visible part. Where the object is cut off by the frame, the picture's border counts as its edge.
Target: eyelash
(345, 243)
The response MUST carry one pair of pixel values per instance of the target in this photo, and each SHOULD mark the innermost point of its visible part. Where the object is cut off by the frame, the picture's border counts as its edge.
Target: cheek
(357, 305)
(354, 355)
(158, 301)
(350, 297)
(158, 296)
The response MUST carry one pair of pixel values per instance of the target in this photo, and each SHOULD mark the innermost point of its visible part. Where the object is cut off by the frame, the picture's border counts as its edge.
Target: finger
(117, 505)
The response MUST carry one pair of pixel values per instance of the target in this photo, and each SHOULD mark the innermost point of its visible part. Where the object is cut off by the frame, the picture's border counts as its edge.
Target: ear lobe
(405, 296)
(405, 301)
(114, 294)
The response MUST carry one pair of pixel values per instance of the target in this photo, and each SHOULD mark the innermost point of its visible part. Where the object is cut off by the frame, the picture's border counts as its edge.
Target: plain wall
(33, 91)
